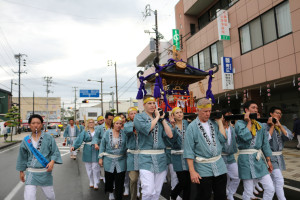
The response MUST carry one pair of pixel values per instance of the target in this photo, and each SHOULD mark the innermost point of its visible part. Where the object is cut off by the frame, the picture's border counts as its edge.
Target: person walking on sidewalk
(71, 132)
(296, 129)
(38, 153)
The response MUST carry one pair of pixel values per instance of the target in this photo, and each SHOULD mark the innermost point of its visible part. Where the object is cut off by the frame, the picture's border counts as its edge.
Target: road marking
(292, 188)
(241, 197)
(9, 148)
(14, 191)
(162, 198)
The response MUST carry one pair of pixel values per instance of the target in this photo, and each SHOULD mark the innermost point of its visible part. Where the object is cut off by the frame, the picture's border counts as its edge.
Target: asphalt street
(71, 181)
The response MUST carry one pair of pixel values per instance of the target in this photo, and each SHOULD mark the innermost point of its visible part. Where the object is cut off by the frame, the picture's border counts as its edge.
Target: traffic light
(85, 101)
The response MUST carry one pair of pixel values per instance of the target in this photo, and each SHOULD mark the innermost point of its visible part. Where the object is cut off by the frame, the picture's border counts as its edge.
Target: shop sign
(176, 39)
(227, 73)
(223, 25)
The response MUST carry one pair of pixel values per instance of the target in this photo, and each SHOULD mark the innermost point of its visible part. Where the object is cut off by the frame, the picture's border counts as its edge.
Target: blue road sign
(89, 93)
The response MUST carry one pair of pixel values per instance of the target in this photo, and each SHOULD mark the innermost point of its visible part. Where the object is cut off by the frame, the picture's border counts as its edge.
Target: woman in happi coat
(132, 152)
(38, 153)
(179, 163)
(90, 153)
(228, 151)
(152, 128)
(113, 157)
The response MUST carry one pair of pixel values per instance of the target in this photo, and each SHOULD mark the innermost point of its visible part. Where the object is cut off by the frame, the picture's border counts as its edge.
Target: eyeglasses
(279, 113)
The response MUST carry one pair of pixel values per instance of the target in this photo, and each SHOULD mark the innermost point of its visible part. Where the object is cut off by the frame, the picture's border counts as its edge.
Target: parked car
(53, 130)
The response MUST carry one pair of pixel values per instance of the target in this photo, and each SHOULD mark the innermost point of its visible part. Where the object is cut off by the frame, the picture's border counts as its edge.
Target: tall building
(264, 46)
(5, 103)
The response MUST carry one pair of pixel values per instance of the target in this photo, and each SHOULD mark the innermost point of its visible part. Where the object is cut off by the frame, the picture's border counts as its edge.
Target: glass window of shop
(195, 61)
(201, 60)
(266, 28)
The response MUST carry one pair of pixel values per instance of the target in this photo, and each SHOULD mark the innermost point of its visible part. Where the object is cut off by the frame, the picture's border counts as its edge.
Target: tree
(14, 119)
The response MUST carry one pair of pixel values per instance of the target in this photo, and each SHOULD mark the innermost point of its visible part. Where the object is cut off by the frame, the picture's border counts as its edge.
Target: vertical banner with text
(176, 39)
(223, 25)
(227, 73)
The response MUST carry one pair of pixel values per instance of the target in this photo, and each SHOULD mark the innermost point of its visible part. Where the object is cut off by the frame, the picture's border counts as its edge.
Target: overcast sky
(71, 41)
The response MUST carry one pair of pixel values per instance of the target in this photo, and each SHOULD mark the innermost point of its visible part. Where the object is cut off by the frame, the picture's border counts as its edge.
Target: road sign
(89, 93)
(176, 39)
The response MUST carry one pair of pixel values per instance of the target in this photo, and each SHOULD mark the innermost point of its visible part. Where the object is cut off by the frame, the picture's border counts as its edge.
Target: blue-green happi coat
(67, 132)
(229, 148)
(249, 166)
(150, 140)
(179, 163)
(90, 154)
(276, 142)
(101, 129)
(48, 148)
(198, 144)
(110, 164)
(131, 144)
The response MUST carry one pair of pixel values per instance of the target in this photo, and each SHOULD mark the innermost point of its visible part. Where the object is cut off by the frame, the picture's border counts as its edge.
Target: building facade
(5, 103)
(40, 107)
(264, 46)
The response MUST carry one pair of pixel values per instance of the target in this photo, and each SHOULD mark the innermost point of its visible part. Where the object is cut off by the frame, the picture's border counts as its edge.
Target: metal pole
(47, 88)
(75, 105)
(19, 126)
(11, 89)
(116, 86)
(157, 37)
(33, 104)
(112, 98)
(101, 98)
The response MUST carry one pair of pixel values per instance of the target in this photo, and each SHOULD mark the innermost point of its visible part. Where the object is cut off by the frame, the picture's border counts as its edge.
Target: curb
(10, 144)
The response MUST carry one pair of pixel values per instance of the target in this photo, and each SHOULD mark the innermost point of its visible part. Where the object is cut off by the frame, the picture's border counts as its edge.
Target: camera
(161, 112)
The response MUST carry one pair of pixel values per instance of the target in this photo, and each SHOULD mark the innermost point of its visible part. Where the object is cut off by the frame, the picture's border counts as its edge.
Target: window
(269, 27)
(203, 20)
(193, 29)
(92, 114)
(283, 18)
(190, 61)
(214, 53)
(220, 51)
(245, 38)
(201, 60)
(255, 32)
(207, 60)
(266, 28)
(195, 61)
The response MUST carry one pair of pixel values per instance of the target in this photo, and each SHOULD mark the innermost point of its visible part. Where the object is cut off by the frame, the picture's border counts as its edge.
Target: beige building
(40, 107)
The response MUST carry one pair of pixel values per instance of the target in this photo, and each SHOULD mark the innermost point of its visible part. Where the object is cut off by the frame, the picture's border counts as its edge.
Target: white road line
(9, 148)
(162, 198)
(241, 197)
(292, 188)
(14, 191)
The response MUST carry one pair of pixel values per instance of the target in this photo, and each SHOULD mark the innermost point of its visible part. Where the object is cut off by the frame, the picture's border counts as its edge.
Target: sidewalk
(17, 138)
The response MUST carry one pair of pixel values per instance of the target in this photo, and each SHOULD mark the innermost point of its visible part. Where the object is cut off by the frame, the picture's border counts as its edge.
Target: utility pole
(19, 58)
(157, 34)
(101, 97)
(110, 63)
(75, 89)
(48, 84)
(33, 104)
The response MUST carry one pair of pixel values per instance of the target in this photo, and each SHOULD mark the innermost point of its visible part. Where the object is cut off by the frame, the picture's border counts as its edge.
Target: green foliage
(14, 117)
(113, 111)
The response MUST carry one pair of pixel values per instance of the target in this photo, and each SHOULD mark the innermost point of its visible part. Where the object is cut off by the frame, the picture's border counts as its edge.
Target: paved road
(71, 182)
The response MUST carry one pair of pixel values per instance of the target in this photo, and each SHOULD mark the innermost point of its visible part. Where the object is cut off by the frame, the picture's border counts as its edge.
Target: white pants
(72, 139)
(30, 192)
(267, 184)
(93, 172)
(174, 179)
(298, 137)
(126, 180)
(152, 184)
(278, 183)
(233, 180)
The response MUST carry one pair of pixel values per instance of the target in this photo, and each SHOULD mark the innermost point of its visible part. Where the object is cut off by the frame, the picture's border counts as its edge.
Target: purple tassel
(156, 91)
(209, 94)
(139, 94)
(141, 89)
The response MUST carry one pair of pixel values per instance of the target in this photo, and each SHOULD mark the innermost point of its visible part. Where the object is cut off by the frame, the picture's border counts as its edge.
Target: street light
(101, 94)
(110, 63)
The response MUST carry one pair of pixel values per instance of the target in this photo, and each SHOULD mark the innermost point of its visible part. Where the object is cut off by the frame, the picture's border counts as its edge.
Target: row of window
(204, 58)
(266, 28)
(211, 14)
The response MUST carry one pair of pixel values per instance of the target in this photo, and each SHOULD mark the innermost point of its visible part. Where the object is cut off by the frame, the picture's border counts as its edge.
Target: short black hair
(273, 108)
(71, 119)
(108, 114)
(226, 110)
(147, 96)
(119, 114)
(35, 116)
(247, 104)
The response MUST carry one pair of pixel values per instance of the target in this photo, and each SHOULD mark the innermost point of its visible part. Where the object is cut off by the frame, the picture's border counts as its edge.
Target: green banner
(176, 39)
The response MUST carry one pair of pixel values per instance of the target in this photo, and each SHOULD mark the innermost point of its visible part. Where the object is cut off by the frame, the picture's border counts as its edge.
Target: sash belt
(110, 155)
(276, 153)
(88, 143)
(208, 160)
(253, 151)
(37, 169)
(224, 154)
(177, 152)
(132, 151)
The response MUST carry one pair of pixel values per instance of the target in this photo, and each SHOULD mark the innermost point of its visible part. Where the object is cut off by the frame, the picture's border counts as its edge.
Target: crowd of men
(132, 153)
